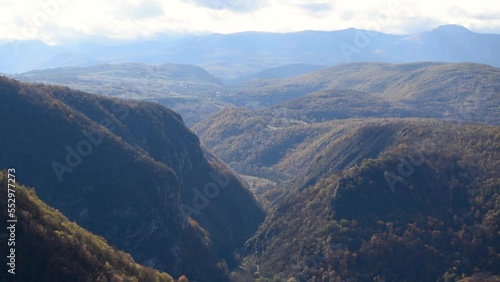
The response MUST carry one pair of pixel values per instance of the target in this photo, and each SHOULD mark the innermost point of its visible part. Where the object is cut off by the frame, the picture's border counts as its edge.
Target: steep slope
(130, 172)
(48, 247)
(423, 207)
(461, 91)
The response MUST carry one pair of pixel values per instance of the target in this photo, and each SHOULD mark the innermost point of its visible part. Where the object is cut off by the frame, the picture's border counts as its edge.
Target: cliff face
(129, 171)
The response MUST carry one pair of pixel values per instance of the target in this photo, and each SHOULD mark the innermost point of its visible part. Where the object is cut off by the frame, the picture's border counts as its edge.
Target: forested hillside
(367, 172)
(130, 172)
(381, 173)
(463, 91)
(423, 207)
(258, 141)
(51, 248)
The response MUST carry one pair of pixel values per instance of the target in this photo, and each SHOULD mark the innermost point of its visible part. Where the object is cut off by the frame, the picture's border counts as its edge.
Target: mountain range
(464, 91)
(440, 89)
(233, 56)
(358, 172)
(253, 140)
(346, 155)
(368, 172)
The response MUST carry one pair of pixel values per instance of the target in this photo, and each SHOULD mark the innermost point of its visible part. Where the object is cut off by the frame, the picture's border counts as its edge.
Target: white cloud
(55, 20)
(232, 5)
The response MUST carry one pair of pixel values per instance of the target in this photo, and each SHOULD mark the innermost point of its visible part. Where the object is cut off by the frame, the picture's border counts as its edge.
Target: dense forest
(380, 173)
(130, 172)
(51, 248)
(417, 211)
(357, 172)
(255, 141)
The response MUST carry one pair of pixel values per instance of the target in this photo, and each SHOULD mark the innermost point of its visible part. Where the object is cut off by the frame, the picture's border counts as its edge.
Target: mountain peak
(451, 28)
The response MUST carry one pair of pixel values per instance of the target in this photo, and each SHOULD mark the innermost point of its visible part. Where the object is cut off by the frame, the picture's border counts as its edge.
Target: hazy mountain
(130, 172)
(51, 248)
(237, 55)
(280, 72)
(187, 89)
(258, 142)
(20, 56)
(140, 72)
(463, 91)
(450, 43)
(132, 80)
(342, 104)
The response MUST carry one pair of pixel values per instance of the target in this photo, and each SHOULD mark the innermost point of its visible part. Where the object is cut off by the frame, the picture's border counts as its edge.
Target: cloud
(231, 5)
(142, 10)
(412, 25)
(317, 8)
(128, 19)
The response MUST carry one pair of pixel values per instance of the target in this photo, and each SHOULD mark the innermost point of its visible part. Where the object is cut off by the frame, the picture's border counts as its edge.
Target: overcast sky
(56, 20)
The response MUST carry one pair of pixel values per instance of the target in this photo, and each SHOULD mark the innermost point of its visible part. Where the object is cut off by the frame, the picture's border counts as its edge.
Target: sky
(54, 21)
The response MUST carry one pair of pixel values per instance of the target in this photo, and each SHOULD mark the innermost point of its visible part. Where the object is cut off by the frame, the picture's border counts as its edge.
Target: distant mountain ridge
(280, 72)
(278, 141)
(173, 85)
(465, 91)
(241, 54)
